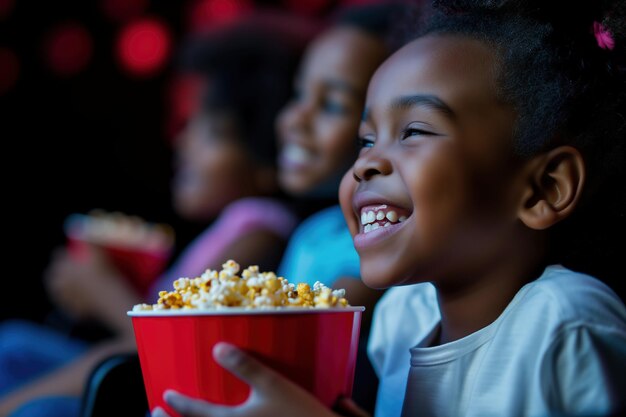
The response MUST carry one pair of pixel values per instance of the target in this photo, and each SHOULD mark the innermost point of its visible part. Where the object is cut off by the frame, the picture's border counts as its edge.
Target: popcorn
(119, 229)
(252, 289)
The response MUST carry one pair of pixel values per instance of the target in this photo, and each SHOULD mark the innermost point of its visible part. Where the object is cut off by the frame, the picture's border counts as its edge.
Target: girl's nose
(296, 117)
(370, 164)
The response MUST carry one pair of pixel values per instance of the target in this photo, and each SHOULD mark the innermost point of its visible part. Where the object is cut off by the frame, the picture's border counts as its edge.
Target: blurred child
(499, 124)
(317, 131)
(223, 147)
(224, 170)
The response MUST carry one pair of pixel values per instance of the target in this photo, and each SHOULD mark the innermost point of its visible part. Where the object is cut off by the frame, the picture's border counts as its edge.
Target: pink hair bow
(603, 36)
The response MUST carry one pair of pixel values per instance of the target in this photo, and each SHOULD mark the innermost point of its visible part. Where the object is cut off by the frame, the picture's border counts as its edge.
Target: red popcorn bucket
(314, 347)
(140, 266)
(141, 262)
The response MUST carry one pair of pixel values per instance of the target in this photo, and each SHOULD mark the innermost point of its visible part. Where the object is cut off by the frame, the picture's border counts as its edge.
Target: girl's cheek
(346, 192)
(282, 121)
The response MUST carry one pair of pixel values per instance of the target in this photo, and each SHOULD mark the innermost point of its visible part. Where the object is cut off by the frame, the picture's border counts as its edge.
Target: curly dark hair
(381, 19)
(249, 67)
(566, 89)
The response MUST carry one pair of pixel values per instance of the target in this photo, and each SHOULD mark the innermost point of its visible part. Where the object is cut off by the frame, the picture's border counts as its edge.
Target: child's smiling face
(317, 129)
(208, 167)
(434, 192)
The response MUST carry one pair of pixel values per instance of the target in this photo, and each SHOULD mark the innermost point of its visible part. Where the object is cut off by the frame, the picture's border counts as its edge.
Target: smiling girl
(470, 175)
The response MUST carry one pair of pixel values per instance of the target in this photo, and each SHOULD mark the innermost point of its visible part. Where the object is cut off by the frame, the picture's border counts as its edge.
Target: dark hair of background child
(387, 20)
(250, 71)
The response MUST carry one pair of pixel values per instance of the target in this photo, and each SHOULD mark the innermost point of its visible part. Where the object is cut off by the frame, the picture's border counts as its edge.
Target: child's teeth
(372, 220)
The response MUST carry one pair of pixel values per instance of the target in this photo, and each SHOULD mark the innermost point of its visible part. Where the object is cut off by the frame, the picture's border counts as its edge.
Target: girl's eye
(364, 143)
(333, 107)
(411, 131)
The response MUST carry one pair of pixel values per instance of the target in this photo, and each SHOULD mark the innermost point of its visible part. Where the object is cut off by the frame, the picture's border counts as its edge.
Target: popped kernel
(181, 284)
(252, 289)
(272, 284)
(142, 307)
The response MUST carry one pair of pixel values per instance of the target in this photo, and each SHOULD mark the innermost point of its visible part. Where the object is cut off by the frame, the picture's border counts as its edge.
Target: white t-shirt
(559, 348)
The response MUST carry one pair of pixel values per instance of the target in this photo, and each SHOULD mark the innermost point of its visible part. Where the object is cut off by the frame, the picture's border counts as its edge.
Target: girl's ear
(553, 187)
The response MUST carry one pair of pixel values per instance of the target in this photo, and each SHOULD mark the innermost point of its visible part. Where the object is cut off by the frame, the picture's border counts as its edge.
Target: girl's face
(317, 129)
(210, 167)
(431, 196)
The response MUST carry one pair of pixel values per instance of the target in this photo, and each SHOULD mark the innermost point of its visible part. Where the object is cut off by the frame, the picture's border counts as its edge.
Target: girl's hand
(72, 282)
(90, 287)
(272, 395)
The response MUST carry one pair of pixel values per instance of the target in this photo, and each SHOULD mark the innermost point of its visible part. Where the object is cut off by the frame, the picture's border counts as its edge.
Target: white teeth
(370, 217)
(297, 153)
(371, 227)
(392, 216)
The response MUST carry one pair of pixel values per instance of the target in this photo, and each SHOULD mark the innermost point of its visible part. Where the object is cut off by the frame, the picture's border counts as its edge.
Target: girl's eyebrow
(424, 100)
(417, 100)
(334, 84)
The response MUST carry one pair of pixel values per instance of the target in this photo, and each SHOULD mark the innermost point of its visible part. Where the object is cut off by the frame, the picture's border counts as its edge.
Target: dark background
(82, 129)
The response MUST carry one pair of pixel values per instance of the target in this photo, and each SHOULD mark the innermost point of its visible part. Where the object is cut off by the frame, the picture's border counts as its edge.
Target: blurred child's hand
(272, 395)
(86, 287)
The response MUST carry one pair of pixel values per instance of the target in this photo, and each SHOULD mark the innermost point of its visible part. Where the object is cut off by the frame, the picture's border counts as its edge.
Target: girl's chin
(293, 185)
(376, 281)
(382, 274)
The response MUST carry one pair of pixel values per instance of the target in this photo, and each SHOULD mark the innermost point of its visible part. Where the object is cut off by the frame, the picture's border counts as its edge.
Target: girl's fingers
(189, 407)
(159, 412)
(271, 393)
(259, 376)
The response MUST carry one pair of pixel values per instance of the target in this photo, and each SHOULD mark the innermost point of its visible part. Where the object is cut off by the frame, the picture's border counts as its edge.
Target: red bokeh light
(183, 100)
(9, 69)
(307, 8)
(144, 46)
(6, 7)
(123, 10)
(68, 49)
(206, 14)
(359, 2)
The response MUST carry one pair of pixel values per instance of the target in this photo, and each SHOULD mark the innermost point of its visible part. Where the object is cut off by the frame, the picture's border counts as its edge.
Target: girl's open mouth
(383, 215)
(294, 156)
(378, 221)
